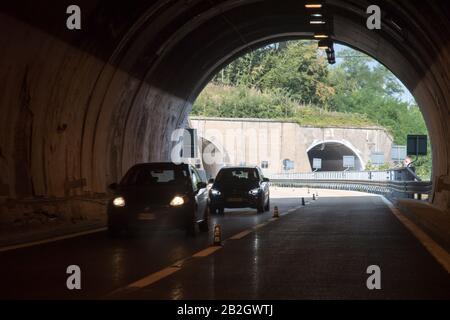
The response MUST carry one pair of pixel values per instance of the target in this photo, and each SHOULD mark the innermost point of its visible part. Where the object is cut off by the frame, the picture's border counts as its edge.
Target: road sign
(189, 143)
(348, 161)
(377, 158)
(288, 164)
(398, 153)
(317, 163)
(417, 145)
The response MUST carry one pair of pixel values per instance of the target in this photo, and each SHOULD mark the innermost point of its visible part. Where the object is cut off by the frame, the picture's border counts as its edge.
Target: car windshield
(154, 175)
(243, 175)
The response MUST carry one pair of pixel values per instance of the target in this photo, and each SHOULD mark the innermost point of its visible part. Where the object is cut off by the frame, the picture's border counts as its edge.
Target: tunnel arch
(332, 159)
(84, 106)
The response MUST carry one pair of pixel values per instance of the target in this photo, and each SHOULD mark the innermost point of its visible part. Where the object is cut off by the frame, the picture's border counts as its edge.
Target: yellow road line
(260, 225)
(206, 252)
(154, 277)
(439, 253)
(54, 239)
(240, 235)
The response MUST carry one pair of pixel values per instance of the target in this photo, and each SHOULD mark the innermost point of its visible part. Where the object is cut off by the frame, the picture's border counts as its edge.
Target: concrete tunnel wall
(78, 108)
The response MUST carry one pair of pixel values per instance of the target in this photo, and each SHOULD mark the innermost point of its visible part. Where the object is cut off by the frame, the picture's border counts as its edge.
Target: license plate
(234, 199)
(146, 216)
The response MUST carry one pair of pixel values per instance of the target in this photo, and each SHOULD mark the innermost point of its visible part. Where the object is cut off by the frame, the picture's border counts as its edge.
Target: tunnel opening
(223, 103)
(331, 155)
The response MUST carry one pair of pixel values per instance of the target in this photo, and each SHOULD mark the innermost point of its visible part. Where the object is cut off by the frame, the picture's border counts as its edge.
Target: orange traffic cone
(217, 236)
(276, 214)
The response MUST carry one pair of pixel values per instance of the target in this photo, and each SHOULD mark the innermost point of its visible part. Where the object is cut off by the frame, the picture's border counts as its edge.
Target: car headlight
(215, 192)
(119, 202)
(254, 192)
(177, 201)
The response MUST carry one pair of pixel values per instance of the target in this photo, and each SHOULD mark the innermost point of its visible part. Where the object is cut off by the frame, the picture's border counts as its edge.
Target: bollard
(276, 214)
(308, 190)
(317, 193)
(314, 196)
(303, 202)
(217, 236)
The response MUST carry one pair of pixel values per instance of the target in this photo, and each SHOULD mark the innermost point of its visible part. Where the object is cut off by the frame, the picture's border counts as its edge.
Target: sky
(405, 96)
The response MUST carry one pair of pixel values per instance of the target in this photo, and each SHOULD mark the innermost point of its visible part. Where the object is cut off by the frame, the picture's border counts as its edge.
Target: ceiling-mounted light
(320, 36)
(313, 5)
(317, 22)
(316, 15)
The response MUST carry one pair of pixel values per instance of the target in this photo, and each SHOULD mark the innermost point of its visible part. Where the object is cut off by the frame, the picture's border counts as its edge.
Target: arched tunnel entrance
(213, 157)
(82, 106)
(331, 155)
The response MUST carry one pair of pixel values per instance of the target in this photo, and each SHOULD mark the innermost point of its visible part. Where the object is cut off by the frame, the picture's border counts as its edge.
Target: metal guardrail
(335, 175)
(390, 189)
(404, 174)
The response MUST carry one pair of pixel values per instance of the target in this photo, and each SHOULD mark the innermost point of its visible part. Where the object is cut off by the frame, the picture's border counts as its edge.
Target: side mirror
(211, 181)
(266, 180)
(201, 185)
(113, 187)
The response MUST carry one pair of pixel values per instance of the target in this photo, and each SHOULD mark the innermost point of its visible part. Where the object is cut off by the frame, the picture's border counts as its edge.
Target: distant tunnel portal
(331, 154)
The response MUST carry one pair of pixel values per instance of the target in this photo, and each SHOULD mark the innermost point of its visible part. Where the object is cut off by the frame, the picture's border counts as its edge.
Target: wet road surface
(106, 264)
(320, 251)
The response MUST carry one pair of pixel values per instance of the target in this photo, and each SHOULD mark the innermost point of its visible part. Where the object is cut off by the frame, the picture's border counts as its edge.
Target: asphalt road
(320, 251)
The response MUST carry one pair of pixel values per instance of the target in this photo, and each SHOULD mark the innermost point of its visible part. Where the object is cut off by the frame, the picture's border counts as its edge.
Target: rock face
(79, 107)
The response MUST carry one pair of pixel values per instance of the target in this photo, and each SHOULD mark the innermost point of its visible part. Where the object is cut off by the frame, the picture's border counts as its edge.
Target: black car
(159, 193)
(239, 187)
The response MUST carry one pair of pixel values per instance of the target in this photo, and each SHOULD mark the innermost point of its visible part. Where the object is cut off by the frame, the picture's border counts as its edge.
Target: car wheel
(191, 226)
(267, 207)
(260, 206)
(204, 225)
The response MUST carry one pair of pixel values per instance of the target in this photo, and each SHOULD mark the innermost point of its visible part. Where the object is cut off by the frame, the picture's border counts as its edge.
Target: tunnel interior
(331, 155)
(80, 107)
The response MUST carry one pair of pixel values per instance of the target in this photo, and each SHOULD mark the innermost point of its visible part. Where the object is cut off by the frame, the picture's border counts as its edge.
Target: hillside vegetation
(241, 102)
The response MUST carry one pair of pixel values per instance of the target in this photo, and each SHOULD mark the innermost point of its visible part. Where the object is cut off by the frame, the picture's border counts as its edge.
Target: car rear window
(237, 175)
(154, 175)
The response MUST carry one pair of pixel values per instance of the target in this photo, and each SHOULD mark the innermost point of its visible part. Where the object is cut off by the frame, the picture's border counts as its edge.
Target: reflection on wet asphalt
(320, 251)
(108, 264)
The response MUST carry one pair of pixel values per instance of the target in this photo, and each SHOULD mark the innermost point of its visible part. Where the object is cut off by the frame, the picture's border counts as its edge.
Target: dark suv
(161, 193)
(239, 187)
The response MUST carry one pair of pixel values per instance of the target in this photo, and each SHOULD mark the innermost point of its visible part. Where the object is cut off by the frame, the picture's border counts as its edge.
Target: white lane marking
(206, 252)
(35, 243)
(154, 277)
(439, 253)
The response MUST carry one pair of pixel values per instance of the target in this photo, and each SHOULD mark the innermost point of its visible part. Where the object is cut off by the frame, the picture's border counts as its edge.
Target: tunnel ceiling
(82, 106)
